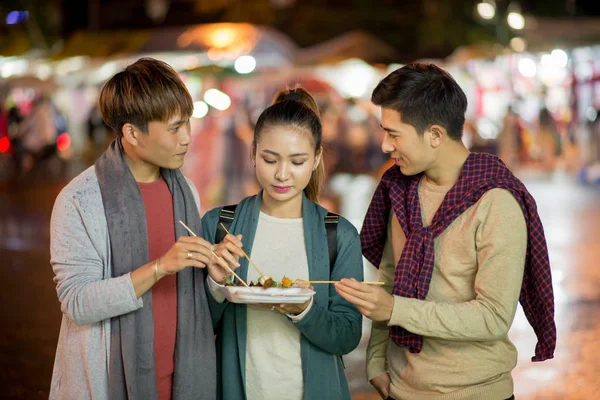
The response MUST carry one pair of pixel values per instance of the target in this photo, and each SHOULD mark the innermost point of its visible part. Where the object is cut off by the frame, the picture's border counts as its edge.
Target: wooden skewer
(223, 263)
(246, 255)
(366, 283)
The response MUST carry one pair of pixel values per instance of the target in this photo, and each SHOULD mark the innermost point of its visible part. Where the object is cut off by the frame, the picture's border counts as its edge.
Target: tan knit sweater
(472, 299)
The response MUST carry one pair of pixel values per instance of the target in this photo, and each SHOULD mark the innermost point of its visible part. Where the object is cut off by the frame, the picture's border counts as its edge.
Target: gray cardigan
(81, 260)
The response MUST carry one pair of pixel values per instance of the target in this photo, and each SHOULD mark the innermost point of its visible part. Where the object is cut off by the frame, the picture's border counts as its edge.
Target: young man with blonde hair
(136, 322)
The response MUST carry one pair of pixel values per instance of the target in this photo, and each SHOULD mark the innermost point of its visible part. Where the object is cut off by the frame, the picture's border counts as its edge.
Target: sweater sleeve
(501, 244)
(337, 328)
(378, 342)
(216, 302)
(85, 294)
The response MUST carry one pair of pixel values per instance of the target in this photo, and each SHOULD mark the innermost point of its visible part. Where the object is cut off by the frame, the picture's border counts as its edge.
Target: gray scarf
(132, 373)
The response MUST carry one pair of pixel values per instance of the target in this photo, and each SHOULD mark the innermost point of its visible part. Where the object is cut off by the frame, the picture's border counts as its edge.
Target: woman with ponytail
(287, 351)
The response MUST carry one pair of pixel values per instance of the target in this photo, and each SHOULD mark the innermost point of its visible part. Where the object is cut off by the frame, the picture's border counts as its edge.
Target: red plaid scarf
(480, 173)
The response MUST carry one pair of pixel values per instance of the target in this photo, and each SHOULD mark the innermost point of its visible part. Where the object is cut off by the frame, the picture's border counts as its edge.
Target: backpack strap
(331, 223)
(227, 215)
(226, 218)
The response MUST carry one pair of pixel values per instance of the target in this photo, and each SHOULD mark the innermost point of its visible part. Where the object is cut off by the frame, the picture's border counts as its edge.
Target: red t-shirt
(158, 202)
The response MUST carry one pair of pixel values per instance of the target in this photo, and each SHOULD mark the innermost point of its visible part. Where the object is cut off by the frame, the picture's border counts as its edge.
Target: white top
(272, 341)
(273, 363)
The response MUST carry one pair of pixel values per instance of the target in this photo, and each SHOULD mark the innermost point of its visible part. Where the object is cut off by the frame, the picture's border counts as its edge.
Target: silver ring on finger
(189, 255)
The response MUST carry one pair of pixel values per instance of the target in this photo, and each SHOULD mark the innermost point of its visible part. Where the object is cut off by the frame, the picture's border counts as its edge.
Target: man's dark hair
(424, 95)
(147, 90)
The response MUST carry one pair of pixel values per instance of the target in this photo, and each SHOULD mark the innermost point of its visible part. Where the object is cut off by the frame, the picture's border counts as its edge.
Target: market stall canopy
(352, 45)
(103, 44)
(548, 33)
(27, 81)
(216, 39)
(236, 38)
(465, 53)
(14, 44)
(540, 34)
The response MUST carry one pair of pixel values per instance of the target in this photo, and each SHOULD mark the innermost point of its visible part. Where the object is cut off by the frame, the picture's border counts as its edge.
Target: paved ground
(30, 312)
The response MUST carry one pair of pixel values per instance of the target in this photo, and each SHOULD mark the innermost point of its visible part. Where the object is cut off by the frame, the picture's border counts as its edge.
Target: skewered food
(267, 282)
(286, 282)
(263, 279)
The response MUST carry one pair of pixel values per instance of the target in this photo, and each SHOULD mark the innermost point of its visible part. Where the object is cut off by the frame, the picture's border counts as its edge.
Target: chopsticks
(366, 283)
(245, 255)
(221, 261)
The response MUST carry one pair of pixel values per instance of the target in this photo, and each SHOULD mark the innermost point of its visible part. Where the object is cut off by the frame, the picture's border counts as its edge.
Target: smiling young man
(136, 323)
(458, 241)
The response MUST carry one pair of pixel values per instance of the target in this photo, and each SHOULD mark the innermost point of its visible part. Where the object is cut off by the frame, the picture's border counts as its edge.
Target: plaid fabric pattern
(481, 173)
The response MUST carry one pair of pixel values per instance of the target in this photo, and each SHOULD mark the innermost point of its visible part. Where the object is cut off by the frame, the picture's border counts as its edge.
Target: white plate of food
(269, 291)
(273, 295)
